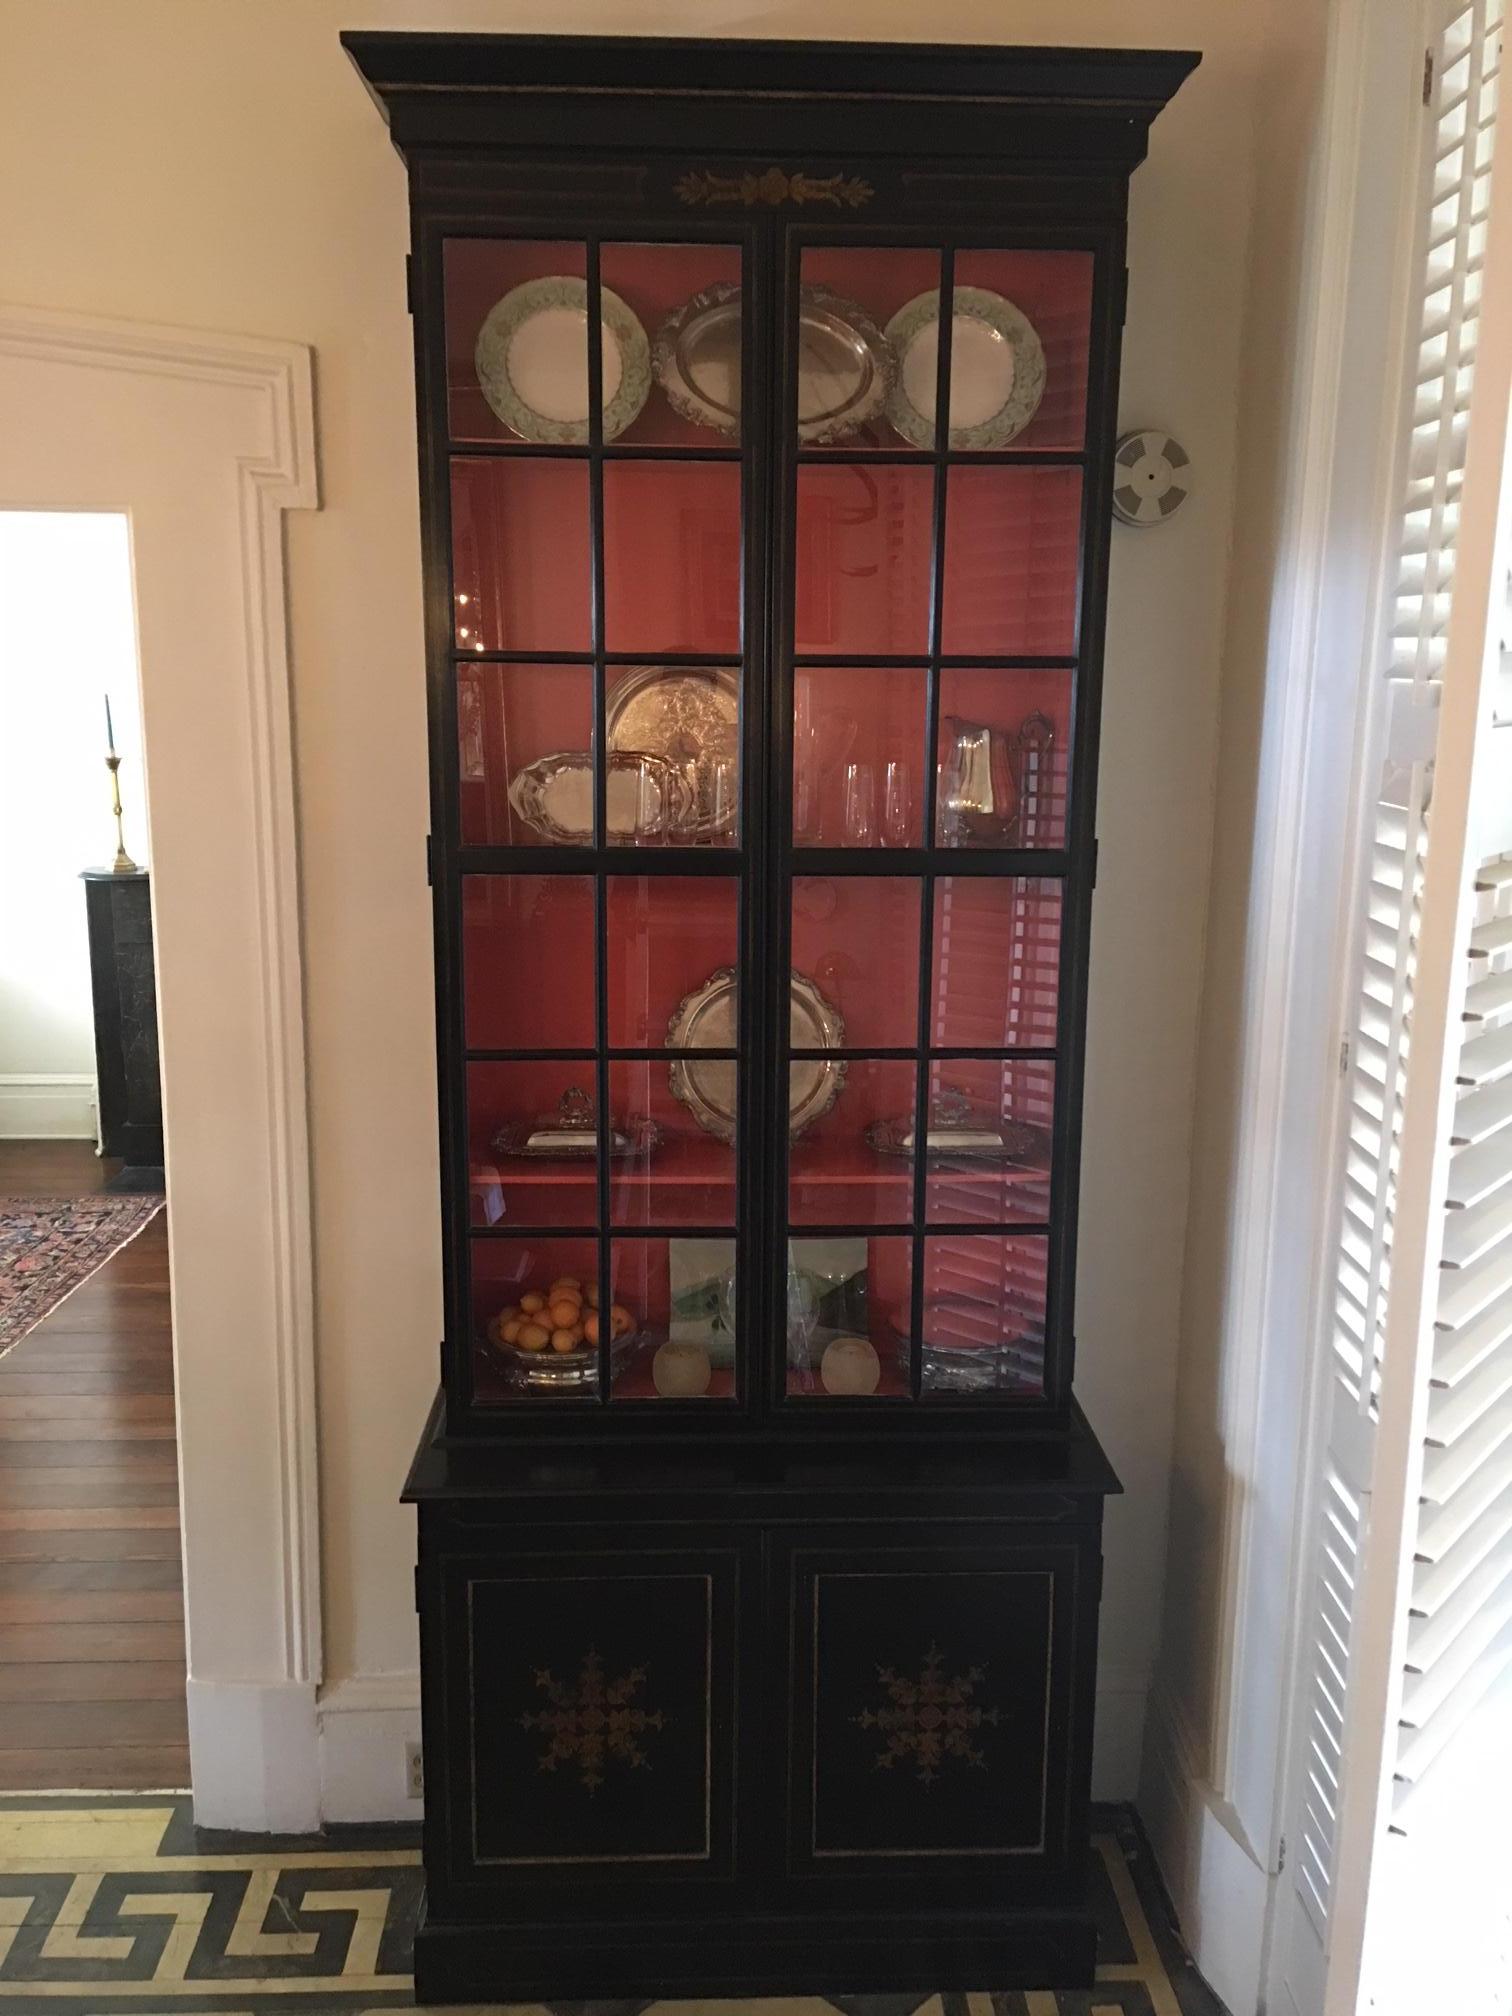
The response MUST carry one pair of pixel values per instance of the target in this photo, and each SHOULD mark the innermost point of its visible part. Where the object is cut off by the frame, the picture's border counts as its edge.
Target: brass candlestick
(123, 863)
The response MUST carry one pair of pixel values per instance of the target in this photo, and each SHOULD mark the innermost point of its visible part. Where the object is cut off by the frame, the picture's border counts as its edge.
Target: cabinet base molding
(751, 1957)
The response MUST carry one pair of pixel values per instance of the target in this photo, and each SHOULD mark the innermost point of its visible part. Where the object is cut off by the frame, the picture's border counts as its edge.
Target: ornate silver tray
(845, 369)
(688, 716)
(571, 1133)
(705, 1020)
(957, 1129)
(645, 797)
(997, 369)
(532, 361)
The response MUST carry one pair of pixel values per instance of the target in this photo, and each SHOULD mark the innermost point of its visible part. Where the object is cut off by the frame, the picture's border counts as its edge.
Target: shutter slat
(1430, 1638)
(1478, 1115)
(1428, 1692)
(1471, 1236)
(1487, 1062)
(1453, 1414)
(1433, 1583)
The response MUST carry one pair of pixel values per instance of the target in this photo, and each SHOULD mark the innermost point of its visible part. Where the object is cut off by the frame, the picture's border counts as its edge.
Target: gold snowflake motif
(930, 1718)
(773, 187)
(592, 1722)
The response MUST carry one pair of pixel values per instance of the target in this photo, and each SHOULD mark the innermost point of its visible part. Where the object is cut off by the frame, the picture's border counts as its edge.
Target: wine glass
(860, 805)
(898, 827)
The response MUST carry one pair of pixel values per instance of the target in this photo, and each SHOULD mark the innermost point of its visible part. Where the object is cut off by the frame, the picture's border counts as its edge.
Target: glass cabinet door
(936, 412)
(598, 701)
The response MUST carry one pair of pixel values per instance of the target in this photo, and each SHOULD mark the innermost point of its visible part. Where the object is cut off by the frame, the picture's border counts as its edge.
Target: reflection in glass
(866, 716)
(854, 1165)
(996, 962)
(510, 718)
(984, 1314)
(671, 1171)
(1004, 758)
(989, 1142)
(864, 539)
(520, 554)
(672, 557)
(668, 936)
(857, 937)
(1054, 291)
(674, 1308)
(688, 299)
(532, 1140)
(847, 1317)
(1012, 561)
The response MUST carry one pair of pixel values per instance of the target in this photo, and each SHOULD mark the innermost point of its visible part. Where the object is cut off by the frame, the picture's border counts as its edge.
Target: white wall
(225, 169)
(67, 637)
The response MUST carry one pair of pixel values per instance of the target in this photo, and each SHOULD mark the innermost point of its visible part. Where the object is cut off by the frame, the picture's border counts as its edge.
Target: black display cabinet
(766, 403)
(123, 984)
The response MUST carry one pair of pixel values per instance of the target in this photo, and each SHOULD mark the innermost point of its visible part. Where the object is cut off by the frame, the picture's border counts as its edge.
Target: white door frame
(204, 441)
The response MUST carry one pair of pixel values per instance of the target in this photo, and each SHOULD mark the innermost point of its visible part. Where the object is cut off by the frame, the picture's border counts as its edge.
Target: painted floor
(119, 1904)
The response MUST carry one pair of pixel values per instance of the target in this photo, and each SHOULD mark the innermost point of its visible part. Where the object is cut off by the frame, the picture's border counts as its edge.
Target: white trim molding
(206, 440)
(47, 1106)
(366, 1723)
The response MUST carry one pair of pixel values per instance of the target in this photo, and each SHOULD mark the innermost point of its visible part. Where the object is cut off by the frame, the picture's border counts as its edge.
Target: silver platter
(645, 797)
(705, 1020)
(688, 716)
(845, 369)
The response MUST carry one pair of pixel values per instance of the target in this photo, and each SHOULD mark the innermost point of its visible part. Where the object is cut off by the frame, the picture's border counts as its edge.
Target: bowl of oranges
(550, 1337)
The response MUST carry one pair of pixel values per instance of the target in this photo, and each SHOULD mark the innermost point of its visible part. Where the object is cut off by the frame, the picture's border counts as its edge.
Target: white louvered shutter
(1413, 796)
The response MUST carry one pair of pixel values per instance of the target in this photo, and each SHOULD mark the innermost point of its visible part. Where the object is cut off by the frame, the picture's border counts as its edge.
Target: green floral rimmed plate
(532, 361)
(997, 369)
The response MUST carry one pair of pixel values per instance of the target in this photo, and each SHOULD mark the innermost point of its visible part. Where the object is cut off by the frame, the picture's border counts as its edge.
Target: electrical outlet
(414, 1771)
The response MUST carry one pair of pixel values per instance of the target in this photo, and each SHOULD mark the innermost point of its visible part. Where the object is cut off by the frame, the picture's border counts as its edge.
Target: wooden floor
(91, 1597)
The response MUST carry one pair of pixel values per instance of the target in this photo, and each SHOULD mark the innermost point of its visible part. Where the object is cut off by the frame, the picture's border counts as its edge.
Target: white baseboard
(47, 1106)
(253, 1755)
(1123, 1694)
(365, 1723)
(1218, 1884)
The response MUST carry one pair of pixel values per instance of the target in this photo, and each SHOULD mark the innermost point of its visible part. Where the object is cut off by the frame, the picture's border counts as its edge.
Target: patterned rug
(51, 1245)
(122, 1907)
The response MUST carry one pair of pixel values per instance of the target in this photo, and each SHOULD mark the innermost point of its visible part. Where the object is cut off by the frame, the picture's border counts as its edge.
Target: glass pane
(984, 1314)
(677, 728)
(525, 754)
(847, 395)
(508, 327)
(672, 957)
(672, 556)
(865, 537)
(847, 1317)
(520, 554)
(858, 756)
(1012, 561)
(996, 963)
(527, 962)
(1003, 756)
(531, 1144)
(675, 1311)
(1052, 292)
(687, 299)
(853, 1165)
(665, 1169)
(528, 1305)
(857, 939)
(989, 1142)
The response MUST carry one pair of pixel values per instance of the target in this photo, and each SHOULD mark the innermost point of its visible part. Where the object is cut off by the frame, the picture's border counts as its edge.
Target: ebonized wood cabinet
(123, 981)
(766, 402)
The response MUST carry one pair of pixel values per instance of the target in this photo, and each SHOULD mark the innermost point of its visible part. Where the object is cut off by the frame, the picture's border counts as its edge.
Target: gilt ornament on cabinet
(594, 1721)
(777, 185)
(929, 1720)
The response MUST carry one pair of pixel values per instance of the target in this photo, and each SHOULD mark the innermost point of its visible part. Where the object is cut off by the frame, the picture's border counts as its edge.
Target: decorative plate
(532, 361)
(688, 716)
(705, 1020)
(645, 797)
(997, 369)
(845, 368)
(1150, 478)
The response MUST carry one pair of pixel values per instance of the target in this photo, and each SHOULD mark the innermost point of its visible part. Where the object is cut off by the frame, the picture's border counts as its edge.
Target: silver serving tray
(689, 717)
(645, 797)
(1007, 1141)
(845, 368)
(705, 1020)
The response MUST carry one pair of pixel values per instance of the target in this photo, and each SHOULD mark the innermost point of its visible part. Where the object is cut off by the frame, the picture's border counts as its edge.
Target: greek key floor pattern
(122, 1907)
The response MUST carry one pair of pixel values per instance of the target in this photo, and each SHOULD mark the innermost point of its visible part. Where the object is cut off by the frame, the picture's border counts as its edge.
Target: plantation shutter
(1413, 794)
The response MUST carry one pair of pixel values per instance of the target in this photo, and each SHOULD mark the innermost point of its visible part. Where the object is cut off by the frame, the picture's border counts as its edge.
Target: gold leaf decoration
(592, 1722)
(773, 187)
(929, 1719)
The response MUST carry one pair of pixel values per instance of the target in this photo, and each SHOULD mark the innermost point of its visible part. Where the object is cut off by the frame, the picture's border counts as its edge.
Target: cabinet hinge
(1427, 76)
(430, 860)
(409, 281)
(1280, 1854)
(1343, 1056)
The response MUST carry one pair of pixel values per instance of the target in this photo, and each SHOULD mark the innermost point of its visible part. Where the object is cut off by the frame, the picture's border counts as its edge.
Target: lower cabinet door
(938, 1711)
(588, 1720)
